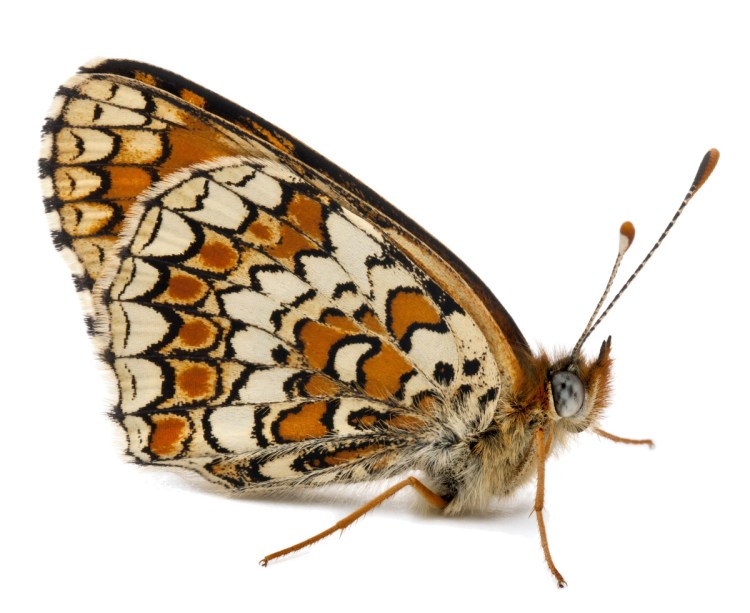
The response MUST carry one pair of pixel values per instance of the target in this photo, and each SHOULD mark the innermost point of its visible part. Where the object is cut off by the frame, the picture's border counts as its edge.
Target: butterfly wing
(269, 319)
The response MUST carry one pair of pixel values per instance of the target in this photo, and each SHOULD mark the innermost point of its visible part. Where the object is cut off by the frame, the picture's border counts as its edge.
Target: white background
(520, 134)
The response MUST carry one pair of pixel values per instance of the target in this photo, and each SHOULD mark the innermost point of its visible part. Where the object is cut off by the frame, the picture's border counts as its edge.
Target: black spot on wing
(280, 354)
(464, 391)
(489, 397)
(471, 367)
(83, 283)
(444, 373)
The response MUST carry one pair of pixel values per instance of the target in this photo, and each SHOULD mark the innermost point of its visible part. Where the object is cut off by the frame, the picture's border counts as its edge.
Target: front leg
(542, 448)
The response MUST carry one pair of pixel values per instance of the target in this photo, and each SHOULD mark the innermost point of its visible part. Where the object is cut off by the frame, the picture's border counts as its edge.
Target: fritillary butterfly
(274, 324)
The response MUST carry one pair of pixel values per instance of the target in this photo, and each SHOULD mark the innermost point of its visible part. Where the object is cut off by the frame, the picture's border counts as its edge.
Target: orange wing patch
(306, 214)
(192, 98)
(170, 435)
(184, 288)
(371, 363)
(125, 183)
(218, 255)
(410, 307)
(278, 240)
(145, 77)
(385, 373)
(303, 422)
(104, 119)
(317, 341)
(194, 382)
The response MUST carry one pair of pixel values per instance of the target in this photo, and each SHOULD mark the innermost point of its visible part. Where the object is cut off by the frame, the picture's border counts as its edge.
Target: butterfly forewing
(207, 125)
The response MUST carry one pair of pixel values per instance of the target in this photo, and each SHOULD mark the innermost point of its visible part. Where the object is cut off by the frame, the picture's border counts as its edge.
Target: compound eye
(567, 393)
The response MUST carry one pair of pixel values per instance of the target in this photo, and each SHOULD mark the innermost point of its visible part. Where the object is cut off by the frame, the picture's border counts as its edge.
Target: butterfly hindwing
(296, 300)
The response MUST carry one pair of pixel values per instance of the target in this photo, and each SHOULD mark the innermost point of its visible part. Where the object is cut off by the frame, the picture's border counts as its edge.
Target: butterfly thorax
(501, 458)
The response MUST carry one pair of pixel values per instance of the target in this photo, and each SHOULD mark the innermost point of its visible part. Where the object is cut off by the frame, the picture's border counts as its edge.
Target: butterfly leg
(619, 439)
(431, 497)
(542, 447)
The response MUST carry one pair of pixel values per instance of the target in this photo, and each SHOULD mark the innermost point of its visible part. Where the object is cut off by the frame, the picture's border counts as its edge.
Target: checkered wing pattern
(270, 321)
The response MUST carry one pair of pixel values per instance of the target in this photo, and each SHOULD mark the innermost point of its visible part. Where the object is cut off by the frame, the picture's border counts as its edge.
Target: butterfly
(273, 324)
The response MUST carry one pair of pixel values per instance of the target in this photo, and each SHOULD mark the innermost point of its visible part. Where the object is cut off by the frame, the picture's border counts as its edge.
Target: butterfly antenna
(627, 233)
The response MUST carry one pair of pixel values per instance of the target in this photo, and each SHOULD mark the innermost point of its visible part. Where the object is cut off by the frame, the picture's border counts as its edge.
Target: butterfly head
(577, 390)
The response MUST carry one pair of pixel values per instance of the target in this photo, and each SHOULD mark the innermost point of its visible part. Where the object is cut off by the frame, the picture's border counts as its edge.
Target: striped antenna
(627, 233)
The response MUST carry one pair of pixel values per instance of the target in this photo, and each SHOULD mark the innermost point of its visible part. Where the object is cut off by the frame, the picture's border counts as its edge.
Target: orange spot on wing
(260, 230)
(407, 422)
(347, 455)
(320, 385)
(370, 321)
(169, 434)
(197, 333)
(307, 215)
(317, 340)
(194, 381)
(196, 142)
(384, 371)
(427, 404)
(291, 243)
(303, 422)
(145, 77)
(193, 98)
(218, 256)
(369, 420)
(127, 182)
(407, 308)
(185, 288)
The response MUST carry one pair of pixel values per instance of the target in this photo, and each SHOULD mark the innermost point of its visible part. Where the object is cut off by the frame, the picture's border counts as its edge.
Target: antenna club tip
(705, 169)
(627, 235)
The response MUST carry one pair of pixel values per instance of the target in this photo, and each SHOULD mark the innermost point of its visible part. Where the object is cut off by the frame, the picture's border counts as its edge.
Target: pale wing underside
(264, 324)
(249, 311)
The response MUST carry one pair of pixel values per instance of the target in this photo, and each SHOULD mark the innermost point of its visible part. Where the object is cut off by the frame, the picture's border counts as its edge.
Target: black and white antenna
(627, 234)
